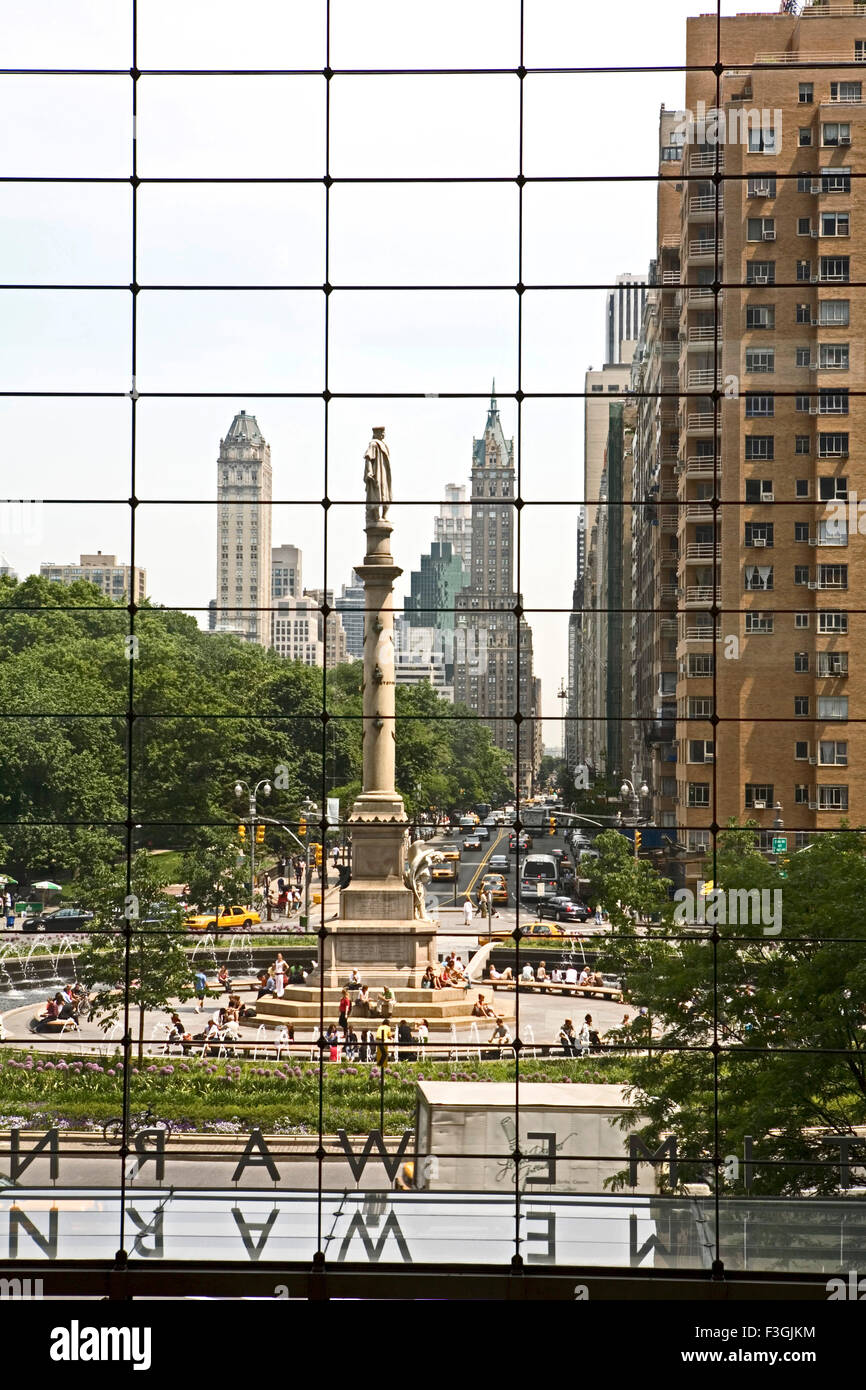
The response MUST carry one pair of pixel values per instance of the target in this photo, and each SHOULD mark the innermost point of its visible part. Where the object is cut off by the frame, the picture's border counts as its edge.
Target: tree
(623, 885)
(142, 924)
(786, 1008)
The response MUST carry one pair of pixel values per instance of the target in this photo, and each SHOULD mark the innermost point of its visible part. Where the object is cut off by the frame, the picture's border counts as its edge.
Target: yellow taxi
(446, 870)
(229, 918)
(495, 887)
(540, 929)
(451, 854)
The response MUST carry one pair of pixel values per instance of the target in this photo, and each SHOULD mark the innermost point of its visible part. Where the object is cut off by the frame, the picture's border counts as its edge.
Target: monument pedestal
(382, 952)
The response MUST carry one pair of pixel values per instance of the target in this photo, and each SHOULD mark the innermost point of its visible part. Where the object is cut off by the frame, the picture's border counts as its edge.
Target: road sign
(780, 844)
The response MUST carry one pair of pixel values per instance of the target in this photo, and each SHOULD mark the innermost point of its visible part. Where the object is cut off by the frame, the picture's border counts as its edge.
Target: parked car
(472, 842)
(62, 919)
(501, 863)
(562, 909)
(229, 918)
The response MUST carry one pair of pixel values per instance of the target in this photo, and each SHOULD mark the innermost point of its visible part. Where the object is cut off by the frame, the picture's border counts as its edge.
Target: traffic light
(637, 840)
(242, 832)
(552, 825)
(302, 828)
(260, 834)
(318, 852)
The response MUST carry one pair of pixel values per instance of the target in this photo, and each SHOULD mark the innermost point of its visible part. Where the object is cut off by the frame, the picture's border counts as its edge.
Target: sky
(247, 342)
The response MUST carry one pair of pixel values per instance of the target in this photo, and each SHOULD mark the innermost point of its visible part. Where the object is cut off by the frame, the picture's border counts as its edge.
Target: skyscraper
(493, 672)
(454, 523)
(623, 314)
(244, 532)
(350, 606)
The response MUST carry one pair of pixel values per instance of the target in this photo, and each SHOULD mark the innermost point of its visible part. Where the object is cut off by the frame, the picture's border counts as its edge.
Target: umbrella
(46, 886)
(5, 878)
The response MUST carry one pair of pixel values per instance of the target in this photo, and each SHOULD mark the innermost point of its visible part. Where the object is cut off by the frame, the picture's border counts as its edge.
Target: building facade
(244, 532)
(493, 665)
(287, 572)
(350, 606)
(454, 523)
(116, 581)
(624, 306)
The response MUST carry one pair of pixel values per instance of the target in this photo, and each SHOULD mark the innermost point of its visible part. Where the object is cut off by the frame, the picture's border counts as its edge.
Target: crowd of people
(67, 1005)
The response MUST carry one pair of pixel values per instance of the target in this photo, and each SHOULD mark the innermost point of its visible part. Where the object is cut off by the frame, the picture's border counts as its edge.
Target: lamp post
(627, 789)
(310, 810)
(264, 786)
(778, 825)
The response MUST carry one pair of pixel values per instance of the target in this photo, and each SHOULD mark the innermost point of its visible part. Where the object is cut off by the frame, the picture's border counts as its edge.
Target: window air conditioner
(813, 806)
(760, 805)
(844, 139)
(813, 366)
(813, 584)
(816, 188)
(767, 497)
(813, 233)
(768, 236)
(814, 409)
(813, 762)
(759, 540)
(815, 279)
(815, 323)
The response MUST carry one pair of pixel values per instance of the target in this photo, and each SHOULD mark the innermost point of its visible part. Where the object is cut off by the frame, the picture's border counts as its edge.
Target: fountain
(66, 944)
(203, 944)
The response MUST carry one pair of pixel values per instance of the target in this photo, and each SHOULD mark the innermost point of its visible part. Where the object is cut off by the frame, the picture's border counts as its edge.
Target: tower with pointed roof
(244, 532)
(493, 670)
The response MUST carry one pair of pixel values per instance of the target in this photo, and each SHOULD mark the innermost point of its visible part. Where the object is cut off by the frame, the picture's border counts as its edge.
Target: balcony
(706, 333)
(668, 489)
(701, 633)
(704, 206)
(668, 592)
(671, 347)
(704, 248)
(698, 511)
(704, 376)
(669, 524)
(701, 550)
(699, 292)
(668, 627)
(702, 422)
(707, 159)
(698, 467)
(671, 277)
(701, 595)
(661, 731)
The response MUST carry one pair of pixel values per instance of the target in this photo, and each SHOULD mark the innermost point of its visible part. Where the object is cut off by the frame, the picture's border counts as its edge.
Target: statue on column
(377, 476)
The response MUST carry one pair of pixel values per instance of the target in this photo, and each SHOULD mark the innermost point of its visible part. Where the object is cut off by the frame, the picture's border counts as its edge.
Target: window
(758, 577)
(801, 795)
(836, 133)
(804, 313)
(834, 311)
(860, 50)
(832, 621)
(832, 576)
(801, 620)
(700, 706)
(835, 224)
(804, 271)
(832, 445)
(761, 273)
(846, 91)
(760, 229)
(833, 798)
(801, 663)
(832, 664)
(697, 839)
(834, 356)
(836, 268)
(833, 402)
(804, 183)
(762, 187)
(760, 446)
(699, 793)
(700, 664)
(801, 487)
(760, 792)
(701, 750)
(801, 574)
(759, 623)
(760, 360)
(802, 443)
(802, 404)
(801, 530)
(761, 141)
(804, 226)
(801, 706)
(833, 489)
(760, 316)
(803, 356)
(758, 488)
(758, 405)
(804, 136)
(760, 532)
(836, 180)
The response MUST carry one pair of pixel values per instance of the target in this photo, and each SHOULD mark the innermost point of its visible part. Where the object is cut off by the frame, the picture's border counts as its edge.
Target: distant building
(287, 563)
(454, 523)
(331, 629)
(116, 581)
(420, 655)
(623, 315)
(350, 606)
(297, 631)
(244, 532)
(6, 569)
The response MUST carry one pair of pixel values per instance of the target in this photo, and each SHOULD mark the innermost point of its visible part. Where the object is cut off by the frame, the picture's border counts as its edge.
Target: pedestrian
(200, 985)
(335, 854)
(482, 903)
(299, 872)
(383, 1037)
(223, 980)
(345, 1010)
(467, 911)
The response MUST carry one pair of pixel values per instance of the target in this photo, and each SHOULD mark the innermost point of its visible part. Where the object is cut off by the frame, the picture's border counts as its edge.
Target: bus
(539, 877)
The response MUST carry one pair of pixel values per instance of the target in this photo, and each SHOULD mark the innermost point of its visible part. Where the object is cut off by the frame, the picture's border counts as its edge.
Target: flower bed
(201, 1095)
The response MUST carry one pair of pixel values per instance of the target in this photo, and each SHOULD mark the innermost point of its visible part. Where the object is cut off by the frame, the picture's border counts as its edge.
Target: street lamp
(627, 789)
(310, 809)
(263, 786)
